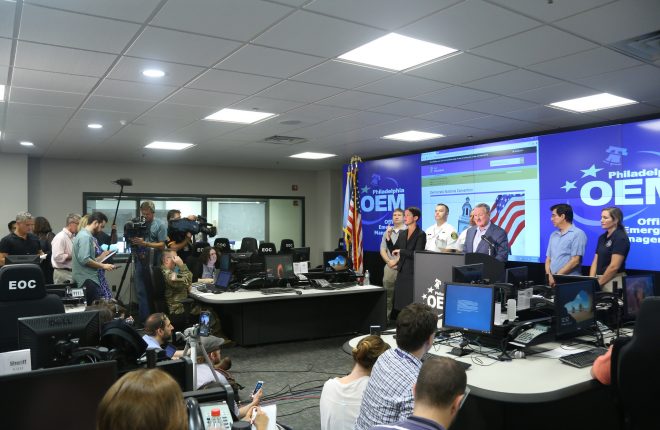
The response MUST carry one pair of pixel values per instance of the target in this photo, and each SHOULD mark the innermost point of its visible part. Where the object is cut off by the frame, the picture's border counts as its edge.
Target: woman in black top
(612, 248)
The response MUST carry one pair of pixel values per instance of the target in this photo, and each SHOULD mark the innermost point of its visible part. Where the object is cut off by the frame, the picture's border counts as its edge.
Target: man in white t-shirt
(441, 236)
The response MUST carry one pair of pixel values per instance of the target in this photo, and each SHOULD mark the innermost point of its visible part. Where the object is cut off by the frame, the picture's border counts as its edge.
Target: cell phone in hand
(204, 323)
(257, 387)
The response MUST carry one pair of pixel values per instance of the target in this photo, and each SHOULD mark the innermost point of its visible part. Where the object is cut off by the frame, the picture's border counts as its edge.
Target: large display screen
(521, 179)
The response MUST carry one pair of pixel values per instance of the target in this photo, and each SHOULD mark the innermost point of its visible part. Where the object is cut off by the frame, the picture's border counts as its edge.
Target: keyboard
(583, 358)
(280, 291)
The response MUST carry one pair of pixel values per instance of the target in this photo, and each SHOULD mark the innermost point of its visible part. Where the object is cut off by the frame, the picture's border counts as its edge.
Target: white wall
(14, 184)
(56, 187)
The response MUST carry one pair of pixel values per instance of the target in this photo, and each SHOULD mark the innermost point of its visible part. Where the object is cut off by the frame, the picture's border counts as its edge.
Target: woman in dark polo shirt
(613, 246)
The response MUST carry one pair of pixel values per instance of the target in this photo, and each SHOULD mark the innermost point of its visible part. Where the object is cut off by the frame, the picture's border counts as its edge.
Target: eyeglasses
(465, 396)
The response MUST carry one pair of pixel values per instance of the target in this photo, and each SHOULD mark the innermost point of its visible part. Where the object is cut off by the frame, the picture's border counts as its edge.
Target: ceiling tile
(130, 69)
(461, 68)
(386, 14)
(63, 60)
(7, 11)
(508, 125)
(451, 115)
(545, 115)
(117, 104)
(615, 21)
(185, 112)
(232, 19)
(511, 82)
(178, 47)
(315, 113)
(265, 104)
(190, 96)
(404, 86)
(4, 70)
(129, 10)
(638, 83)
(455, 96)
(299, 91)
(587, 63)
(549, 11)
(407, 108)
(534, 46)
(46, 98)
(45, 113)
(345, 123)
(133, 90)
(201, 131)
(498, 105)
(52, 81)
(554, 93)
(268, 61)
(317, 35)
(468, 24)
(357, 100)
(5, 51)
(164, 125)
(74, 30)
(340, 74)
(240, 83)
(108, 119)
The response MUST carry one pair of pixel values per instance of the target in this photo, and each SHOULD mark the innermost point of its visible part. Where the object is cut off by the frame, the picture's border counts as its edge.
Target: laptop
(222, 280)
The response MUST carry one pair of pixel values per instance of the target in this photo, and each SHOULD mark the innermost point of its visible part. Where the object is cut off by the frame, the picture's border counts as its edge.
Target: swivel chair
(248, 244)
(634, 369)
(267, 248)
(222, 245)
(22, 294)
(286, 246)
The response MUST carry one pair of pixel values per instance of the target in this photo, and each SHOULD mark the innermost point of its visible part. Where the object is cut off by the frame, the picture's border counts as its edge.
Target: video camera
(137, 227)
(179, 227)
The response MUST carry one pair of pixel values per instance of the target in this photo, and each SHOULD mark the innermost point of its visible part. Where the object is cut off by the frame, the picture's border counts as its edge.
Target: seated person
(601, 370)
(439, 393)
(341, 397)
(158, 334)
(143, 399)
(206, 270)
(206, 378)
(116, 309)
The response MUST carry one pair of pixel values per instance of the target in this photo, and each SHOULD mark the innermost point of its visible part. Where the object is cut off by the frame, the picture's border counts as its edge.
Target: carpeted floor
(293, 375)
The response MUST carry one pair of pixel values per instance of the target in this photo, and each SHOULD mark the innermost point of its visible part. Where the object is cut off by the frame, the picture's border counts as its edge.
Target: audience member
(439, 394)
(388, 397)
(62, 250)
(144, 399)
(206, 271)
(341, 397)
(44, 232)
(87, 268)
(22, 241)
(601, 370)
(158, 334)
(11, 226)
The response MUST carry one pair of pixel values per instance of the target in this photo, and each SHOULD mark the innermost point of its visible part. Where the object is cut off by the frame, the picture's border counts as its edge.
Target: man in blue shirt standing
(566, 245)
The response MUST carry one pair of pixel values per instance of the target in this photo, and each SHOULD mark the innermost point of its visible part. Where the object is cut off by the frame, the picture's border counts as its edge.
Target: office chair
(286, 246)
(635, 378)
(22, 294)
(222, 245)
(267, 248)
(248, 244)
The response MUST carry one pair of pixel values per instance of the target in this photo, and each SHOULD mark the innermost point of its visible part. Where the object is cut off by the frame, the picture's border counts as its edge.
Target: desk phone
(535, 334)
(77, 292)
(225, 414)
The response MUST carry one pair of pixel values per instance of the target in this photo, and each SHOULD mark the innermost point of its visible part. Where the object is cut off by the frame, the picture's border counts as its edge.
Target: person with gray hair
(486, 237)
(22, 241)
(62, 250)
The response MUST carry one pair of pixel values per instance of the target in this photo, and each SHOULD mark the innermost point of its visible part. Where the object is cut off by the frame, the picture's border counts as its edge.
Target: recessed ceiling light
(240, 116)
(94, 126)
(592, 103)
(26, 143)
(413, 136)
(312, 155)
(2, 93)
(153, 73)
(172, 146)
(396, 52)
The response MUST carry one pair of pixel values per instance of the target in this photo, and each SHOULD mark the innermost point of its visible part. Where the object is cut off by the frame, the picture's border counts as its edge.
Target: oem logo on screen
(381, 196)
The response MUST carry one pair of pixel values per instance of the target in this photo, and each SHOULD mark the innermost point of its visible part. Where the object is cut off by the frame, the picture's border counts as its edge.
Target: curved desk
(252, 318)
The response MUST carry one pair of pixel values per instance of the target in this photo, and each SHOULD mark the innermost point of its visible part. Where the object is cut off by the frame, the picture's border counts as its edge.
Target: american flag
(353, 216)
(508, 212)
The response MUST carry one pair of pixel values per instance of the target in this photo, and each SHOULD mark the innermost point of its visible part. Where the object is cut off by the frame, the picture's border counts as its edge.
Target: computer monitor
(300, 254)
(567, 279)
(223, 279)
(635, 289)
(574, 308)
(468, 273)
(279, 266)
(336, 261)
(469, 308)
(516, 276)
(224, 262)
(64, 397)
(22, 259)
(181, 370)
(52, 338)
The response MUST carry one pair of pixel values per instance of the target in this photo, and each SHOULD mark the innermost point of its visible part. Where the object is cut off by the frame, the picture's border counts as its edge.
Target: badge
(608, 243)
(454, 235)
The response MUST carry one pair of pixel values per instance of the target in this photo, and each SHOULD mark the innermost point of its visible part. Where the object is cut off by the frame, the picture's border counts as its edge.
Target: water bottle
(215, 423)
(367, 281)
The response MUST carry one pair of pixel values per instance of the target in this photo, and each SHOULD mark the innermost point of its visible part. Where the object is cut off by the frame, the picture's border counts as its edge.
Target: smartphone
(257, 387)
(204, 323)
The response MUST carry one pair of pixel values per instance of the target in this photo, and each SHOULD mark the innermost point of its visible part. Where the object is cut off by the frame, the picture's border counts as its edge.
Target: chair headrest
(286, 245)
(222, 243)
(648, 319)
(21, 282)
(267, 248)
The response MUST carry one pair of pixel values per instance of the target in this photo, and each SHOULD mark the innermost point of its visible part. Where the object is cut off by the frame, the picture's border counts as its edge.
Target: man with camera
(154, 237)
(178, 240)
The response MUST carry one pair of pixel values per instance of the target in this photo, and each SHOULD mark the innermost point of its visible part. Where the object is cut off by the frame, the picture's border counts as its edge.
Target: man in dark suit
(479, 236)
(411, 240)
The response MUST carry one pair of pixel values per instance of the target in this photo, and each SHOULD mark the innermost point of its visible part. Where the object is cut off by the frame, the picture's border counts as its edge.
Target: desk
(252, 318)
(531, 393)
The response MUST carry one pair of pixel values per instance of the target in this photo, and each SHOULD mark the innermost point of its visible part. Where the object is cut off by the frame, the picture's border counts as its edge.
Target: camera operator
(180, 242)
(156, 236)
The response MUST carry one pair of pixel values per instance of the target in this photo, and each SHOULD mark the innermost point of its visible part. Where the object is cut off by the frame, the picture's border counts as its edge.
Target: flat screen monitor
(224, 262)
(469, 273)
(469, 308)
(223, 279)
(22, 259)
(635, 289)
(516, 276)
(181, 370)
(64, 397)
(300, 254)
(336, 261)
(574, 308)
(50, 338)
(279, 266)
(565, 279)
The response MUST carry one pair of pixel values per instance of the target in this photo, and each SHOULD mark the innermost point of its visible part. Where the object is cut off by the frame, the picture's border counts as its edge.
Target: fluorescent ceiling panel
(240, 116)
(172, 146)
(413, 136)
(592, 103)
(312, 155)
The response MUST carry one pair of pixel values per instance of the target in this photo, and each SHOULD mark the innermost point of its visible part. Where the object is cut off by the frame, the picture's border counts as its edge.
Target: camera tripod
(193, 343)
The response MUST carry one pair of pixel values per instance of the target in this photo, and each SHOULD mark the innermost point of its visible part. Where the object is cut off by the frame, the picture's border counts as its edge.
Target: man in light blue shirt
(566, 245)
